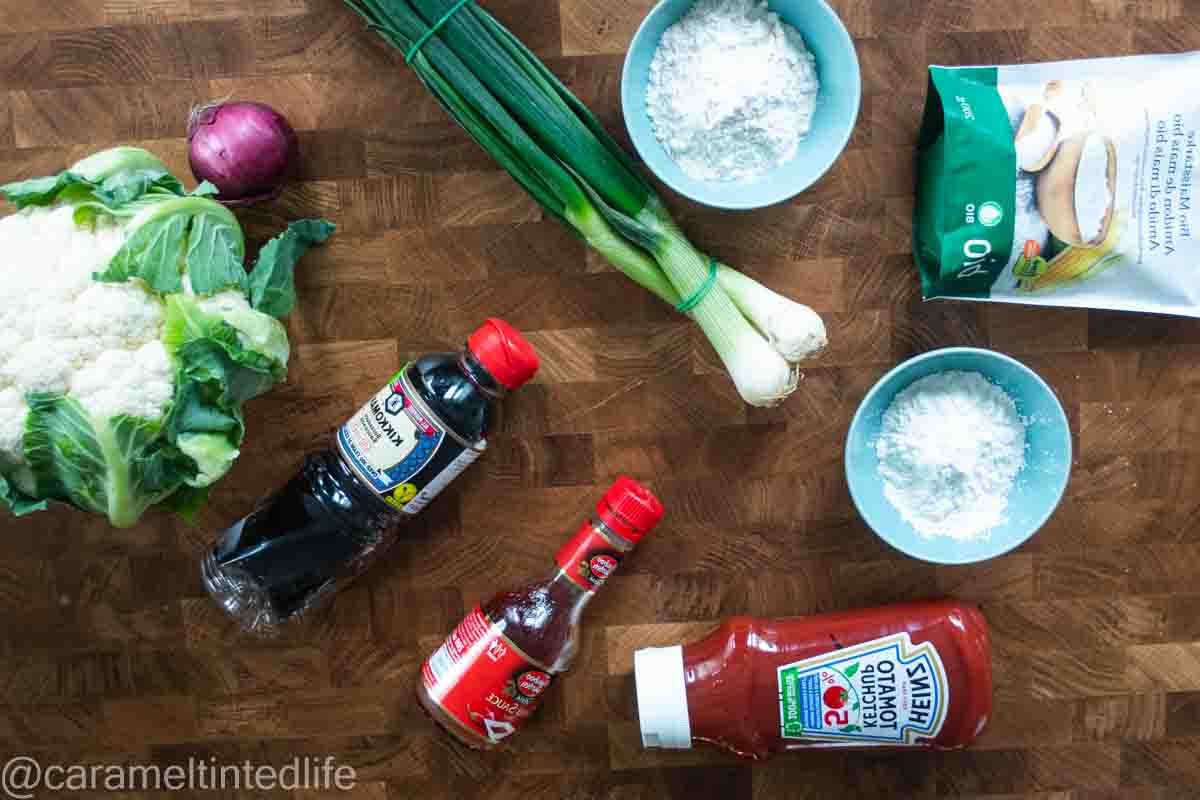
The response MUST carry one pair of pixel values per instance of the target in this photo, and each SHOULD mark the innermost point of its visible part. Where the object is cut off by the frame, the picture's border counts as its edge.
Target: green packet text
(1067, 183)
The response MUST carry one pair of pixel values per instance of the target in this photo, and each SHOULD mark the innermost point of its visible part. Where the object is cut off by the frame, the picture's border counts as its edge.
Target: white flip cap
(662, 697)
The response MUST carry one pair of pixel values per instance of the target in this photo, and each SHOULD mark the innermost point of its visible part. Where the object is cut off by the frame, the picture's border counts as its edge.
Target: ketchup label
(884, 692)
(482, 680)
(588, 558)
(401, 450)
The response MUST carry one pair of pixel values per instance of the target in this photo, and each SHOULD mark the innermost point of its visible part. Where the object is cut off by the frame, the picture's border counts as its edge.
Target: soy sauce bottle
(388, 462)
(489, 676)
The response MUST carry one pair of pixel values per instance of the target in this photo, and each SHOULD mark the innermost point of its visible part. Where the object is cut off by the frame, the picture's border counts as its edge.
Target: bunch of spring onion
(553, 146)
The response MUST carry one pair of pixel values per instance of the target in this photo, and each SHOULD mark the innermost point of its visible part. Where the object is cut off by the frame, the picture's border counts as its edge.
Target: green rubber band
(701, 293)
(419, 43)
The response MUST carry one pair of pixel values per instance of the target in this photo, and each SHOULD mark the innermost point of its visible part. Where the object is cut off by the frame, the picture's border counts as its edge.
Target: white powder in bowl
(949, 451)
(732, 90)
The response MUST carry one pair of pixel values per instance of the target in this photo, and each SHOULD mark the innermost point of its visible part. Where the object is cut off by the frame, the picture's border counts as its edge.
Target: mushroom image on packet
(1064, 184)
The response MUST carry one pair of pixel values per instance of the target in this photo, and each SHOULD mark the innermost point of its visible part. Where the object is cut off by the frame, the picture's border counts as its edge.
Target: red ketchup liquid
(489, 676)
(913, 675)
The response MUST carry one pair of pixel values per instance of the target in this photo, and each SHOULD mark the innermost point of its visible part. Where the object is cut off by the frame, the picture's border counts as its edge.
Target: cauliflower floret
(12, 424)
(44, 254)
(113, 317)
(126, 310)
(41, 365)
(46, 262)
(135, 382)
(60, 331)
(10, 340)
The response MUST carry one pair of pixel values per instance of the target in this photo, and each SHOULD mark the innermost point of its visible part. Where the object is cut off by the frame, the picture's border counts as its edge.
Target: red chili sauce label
(482, 679)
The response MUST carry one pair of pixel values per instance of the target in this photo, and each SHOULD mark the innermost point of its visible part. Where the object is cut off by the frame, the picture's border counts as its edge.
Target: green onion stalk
(556, 149)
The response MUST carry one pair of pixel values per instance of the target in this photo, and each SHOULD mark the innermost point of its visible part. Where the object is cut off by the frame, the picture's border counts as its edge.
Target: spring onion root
(555, 149)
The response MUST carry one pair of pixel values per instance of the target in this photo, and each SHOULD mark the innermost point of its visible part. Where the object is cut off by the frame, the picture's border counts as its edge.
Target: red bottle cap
(630, 509)
(505, 354)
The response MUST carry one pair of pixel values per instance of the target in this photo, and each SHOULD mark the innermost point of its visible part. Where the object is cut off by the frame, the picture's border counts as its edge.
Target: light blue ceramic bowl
(837, 107)
(1040, 485)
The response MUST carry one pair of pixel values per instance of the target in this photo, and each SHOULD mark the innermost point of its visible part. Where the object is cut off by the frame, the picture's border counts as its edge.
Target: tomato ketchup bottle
(914, 675)
(387, 463)
(491, 672)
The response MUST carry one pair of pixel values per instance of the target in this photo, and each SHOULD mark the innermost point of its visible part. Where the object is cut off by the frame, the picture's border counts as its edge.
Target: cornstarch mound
(949, 450)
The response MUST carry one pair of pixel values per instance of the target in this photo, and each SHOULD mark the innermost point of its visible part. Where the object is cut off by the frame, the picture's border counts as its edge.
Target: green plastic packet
(1066, 183)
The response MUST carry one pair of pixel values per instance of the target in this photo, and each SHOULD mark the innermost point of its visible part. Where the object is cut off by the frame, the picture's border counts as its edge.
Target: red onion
(244, 149)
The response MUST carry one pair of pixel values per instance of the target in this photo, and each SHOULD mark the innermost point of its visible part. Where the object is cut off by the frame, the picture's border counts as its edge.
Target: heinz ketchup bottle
(915, 675)
(388, 462)
(489, 675)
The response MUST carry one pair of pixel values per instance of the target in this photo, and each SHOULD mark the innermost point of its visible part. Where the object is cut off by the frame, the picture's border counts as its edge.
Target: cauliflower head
(130, 337)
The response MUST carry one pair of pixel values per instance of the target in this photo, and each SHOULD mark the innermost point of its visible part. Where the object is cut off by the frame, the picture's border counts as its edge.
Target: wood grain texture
(110, 652)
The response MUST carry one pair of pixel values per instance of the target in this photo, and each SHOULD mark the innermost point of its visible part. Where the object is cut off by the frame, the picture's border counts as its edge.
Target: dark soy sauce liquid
(326, 525)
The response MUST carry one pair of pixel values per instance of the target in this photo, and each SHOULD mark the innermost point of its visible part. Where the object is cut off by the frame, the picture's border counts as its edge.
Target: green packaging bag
(1066, 184)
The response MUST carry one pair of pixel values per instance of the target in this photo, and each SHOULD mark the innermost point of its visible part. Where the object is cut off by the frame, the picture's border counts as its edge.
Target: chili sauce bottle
(915, 675)
(491, 672)
(387, 463)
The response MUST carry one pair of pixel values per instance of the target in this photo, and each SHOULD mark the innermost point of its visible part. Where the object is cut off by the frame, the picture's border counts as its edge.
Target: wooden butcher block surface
(111, 652)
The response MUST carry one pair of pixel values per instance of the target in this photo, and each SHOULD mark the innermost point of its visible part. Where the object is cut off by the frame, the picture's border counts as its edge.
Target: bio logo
(976, 251)
(990, 214)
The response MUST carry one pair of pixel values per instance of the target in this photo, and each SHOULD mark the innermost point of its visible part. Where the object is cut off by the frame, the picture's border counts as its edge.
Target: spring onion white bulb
(793, 329)
(761, 375)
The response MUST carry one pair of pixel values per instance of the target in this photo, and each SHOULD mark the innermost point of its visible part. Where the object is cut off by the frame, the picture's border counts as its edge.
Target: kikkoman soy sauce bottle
(490, 674)
(388, 462)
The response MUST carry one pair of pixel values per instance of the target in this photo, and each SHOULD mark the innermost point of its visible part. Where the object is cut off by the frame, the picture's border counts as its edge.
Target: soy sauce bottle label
(588, 558)
(483, 680)
(401, 450)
